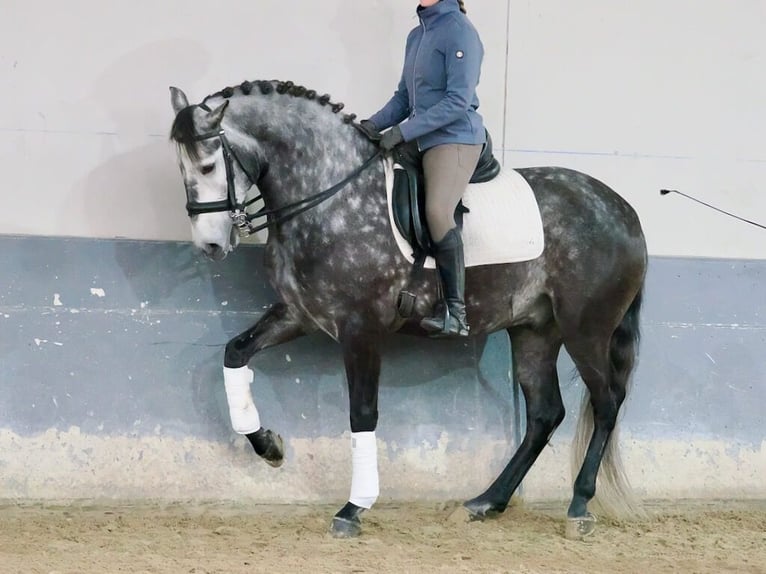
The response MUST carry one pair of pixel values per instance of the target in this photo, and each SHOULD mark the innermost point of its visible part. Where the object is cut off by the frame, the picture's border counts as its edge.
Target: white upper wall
(649, 95)
(642, 95)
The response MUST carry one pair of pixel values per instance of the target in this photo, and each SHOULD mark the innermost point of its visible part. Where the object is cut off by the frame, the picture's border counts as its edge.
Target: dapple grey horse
(334, 264)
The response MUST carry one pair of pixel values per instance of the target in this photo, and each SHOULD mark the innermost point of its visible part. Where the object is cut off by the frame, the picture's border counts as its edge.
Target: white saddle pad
(503, 226)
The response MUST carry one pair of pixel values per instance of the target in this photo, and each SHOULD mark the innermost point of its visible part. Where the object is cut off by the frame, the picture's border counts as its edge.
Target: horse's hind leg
(534, 368)
(591, 356)
(275, 327)
(361, 355)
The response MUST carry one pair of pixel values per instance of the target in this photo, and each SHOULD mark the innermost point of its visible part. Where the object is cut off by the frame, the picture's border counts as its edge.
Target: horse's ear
(178, 100)
(214, 118)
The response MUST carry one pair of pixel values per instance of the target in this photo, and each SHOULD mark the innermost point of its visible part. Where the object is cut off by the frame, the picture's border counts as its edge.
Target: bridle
(237, 210)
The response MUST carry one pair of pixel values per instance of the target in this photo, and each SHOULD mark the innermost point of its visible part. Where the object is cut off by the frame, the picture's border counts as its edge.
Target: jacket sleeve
(396, 110)
(462, 61)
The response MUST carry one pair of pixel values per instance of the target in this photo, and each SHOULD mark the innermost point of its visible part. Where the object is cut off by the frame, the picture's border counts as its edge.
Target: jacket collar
(432, 13)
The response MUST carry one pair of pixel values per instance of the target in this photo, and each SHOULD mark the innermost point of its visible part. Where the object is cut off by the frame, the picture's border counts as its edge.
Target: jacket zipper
(414, 75)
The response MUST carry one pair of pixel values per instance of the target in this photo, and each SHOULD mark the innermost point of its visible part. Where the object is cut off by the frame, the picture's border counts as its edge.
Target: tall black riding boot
(449, 314)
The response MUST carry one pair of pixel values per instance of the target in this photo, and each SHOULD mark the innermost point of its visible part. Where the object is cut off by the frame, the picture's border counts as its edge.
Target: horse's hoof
(581, 527)
(268, 445)
(347, 522)
(275, 454)
(345, 527)
(479, 508)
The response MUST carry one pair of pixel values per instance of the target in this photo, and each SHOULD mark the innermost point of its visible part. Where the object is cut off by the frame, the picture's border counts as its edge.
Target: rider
(435, 105)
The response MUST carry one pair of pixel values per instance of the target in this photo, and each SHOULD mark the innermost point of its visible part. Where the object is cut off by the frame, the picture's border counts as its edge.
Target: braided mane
(183, 129)
(280, 87)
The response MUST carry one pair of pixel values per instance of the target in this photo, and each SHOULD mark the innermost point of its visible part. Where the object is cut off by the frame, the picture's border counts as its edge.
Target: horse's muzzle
(214, 251)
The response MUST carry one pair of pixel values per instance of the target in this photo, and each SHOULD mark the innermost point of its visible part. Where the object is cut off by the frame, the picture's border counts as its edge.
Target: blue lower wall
(143, 362)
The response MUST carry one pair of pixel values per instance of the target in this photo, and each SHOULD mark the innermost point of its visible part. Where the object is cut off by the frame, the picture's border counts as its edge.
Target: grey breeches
(448, 169)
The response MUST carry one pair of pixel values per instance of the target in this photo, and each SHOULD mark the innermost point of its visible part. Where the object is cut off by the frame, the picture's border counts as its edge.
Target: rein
(287, 212)
(239, 217)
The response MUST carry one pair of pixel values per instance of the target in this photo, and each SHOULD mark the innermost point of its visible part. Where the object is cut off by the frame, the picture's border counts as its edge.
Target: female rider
(435, 105)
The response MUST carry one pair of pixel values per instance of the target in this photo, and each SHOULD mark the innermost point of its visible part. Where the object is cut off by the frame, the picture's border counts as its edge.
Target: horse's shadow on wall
(300, 389)
(117, 190)
(141, 188)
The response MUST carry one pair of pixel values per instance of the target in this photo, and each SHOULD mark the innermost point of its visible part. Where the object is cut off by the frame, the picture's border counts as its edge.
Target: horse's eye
(207, 169)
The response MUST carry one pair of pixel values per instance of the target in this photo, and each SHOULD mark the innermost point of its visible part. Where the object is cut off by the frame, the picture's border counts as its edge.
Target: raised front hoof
(269, 446)
(581, 527)
(275, 453)
(480, 508)
(347, 522)
(345, 527)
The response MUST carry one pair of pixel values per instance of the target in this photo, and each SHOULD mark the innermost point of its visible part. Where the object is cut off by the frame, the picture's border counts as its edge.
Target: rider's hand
(370, 130)
(391, 138)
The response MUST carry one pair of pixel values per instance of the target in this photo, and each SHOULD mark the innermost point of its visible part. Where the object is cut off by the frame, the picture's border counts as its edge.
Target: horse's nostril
(212, 249)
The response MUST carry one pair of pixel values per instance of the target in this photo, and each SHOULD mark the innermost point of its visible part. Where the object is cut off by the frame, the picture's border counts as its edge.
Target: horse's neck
(308, 148)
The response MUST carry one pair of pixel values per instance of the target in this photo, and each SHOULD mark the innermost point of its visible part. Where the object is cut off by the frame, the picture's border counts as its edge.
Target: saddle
(408, 199)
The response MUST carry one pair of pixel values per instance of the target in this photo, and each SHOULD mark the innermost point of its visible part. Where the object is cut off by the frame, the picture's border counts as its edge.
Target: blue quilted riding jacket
(436, 102)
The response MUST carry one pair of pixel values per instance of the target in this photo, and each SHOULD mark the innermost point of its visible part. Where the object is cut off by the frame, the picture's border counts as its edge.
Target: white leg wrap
(364, 477)
(244, 415)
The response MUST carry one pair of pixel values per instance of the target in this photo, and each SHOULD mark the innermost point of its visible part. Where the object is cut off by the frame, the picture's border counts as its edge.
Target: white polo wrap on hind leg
(364, 464)
(244, 415)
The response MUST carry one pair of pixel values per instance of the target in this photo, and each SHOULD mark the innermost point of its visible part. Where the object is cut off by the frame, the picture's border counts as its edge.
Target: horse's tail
(614, 496)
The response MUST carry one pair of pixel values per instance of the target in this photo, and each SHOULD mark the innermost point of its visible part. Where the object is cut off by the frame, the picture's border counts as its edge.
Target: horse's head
(215, 185)
(288, 141)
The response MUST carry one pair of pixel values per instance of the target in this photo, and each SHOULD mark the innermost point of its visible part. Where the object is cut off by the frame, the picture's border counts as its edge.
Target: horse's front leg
(278, 325)
(361, 355)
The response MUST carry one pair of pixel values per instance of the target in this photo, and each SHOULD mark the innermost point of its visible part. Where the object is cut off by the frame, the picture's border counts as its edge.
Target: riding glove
(391, 139)
(370, 130)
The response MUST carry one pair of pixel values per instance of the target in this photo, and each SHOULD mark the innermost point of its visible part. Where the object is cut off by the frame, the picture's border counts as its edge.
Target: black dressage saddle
(408, 198)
